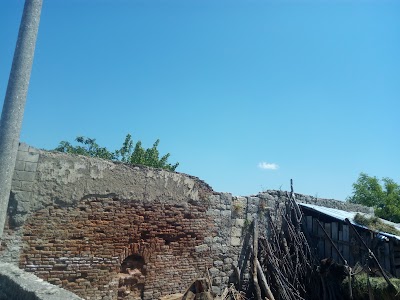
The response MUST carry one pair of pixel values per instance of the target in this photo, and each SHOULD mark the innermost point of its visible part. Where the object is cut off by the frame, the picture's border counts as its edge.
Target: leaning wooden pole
(264, 282)
(332, 243)
(370, 253)
(255, 260)
(14, 102)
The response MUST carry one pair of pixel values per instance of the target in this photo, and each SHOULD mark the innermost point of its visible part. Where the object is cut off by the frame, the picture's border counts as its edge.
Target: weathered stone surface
(236, 232)
(28, 157)
(23, 147)
(30, 167)
(26, 186)
(235, 241)
(70, 178)
(202, 248)
(239, 222)
(24, 175)
(213, 272)
(17, 284)
(19, 165)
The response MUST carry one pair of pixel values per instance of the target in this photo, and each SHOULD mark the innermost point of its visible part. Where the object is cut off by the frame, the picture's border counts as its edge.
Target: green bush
(137, 155)
(379, 287)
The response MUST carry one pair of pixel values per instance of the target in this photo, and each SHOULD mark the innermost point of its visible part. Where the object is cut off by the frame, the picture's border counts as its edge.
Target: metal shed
(385, 246)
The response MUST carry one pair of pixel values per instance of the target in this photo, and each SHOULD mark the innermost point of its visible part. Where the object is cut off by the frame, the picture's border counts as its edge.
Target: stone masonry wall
(23, 180)
(107, 230)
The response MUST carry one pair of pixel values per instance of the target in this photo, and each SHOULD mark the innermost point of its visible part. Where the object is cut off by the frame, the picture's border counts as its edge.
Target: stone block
(15, 185)
(217, 281)
(216, 247)
(213, 272)
(235, 241)
(23, 147)
(228, 261)
(24, 176)
(33, 150)
(226, 267)
(23, 206)
(239, 222)
(216, 290)
(26, 186)
(208, 239)
(224, 248)
(22, 196)
(225, 213)
(221, 206)
(236, 232)
(217, 239)
(218, 263)
(19, 165)
(241, 200)
(27, 156)
(217, 220)
(18, 220)
(213, 212)
(201, 248)
(30, 167)
(226, 198)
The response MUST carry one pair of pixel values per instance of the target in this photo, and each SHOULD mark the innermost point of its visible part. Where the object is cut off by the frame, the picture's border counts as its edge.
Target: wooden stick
(264, 282)
(350, 287)
(255, 259)
(370, 253)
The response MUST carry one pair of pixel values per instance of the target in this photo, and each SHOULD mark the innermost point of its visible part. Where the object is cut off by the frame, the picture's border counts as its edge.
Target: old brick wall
(81, 248)
(107, 230)
(83, 218)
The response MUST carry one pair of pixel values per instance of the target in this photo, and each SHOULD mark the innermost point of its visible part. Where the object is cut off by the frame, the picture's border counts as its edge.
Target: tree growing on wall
(385, 198)
(127, 153)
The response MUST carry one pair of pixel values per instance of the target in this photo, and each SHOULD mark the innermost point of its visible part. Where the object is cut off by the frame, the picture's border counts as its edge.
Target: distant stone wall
(105, 230)
(271, 196)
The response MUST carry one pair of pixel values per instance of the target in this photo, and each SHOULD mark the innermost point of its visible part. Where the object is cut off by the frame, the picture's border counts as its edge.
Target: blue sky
(244, 94)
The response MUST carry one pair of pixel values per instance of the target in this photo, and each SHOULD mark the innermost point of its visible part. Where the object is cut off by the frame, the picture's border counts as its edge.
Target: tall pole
(14, 101)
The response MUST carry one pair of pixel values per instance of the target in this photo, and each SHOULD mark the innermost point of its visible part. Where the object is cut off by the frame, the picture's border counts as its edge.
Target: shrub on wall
(127, 153)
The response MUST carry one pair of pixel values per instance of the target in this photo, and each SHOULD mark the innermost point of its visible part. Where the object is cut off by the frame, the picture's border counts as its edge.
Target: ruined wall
(106, 230)
(88, 243)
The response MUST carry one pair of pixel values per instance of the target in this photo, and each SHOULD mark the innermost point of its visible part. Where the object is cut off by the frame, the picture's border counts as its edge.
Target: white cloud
(268, 166)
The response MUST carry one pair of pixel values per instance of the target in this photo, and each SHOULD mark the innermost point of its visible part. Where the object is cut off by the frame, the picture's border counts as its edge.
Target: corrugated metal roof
(342, 215)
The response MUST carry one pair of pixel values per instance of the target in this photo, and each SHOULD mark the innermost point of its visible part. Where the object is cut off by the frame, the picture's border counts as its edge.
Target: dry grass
(375, 223)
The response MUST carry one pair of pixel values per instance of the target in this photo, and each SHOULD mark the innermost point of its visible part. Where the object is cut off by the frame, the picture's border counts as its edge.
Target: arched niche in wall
(132, 276)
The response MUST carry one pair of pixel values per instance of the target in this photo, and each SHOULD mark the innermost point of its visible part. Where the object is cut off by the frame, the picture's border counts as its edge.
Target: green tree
(138, 155)
(125, 152)
(87, 147)
(384, 198)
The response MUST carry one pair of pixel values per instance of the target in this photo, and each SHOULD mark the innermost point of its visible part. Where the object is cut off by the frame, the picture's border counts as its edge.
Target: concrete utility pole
(14, 102)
